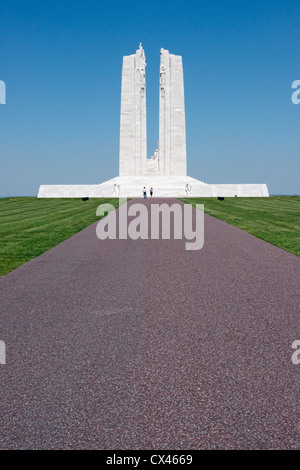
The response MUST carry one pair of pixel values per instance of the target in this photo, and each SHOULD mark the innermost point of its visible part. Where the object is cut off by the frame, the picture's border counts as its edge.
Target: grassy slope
(31, 226)
(275, 219)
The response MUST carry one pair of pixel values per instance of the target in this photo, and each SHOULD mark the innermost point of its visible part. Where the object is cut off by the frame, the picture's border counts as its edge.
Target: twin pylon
(170, 157)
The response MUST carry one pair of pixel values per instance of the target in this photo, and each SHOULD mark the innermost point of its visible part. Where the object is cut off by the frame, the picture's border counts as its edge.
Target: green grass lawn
(31, 226)
(275, 219)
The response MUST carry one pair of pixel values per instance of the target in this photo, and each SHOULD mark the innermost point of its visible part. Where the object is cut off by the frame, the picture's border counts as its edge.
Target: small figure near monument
(145, 192)
(151, 192)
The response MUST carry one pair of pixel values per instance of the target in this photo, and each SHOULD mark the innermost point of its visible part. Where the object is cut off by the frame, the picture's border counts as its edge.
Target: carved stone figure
(116, 189)
(140, 68)
(163, 67)
(188, 189)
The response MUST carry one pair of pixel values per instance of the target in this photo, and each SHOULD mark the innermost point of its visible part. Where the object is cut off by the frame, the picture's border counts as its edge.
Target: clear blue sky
(62, 60)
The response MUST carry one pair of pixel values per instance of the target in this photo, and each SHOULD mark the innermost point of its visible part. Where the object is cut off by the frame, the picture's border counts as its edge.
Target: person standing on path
(151, 192)
(145, 192)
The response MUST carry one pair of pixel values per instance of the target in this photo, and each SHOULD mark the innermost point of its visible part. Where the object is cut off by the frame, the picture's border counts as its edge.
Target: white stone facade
(166, 170)
(133, 131)
(172, 140)
(163, 186)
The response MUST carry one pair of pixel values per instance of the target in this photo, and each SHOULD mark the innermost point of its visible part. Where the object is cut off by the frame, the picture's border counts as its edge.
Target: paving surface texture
(123, 344)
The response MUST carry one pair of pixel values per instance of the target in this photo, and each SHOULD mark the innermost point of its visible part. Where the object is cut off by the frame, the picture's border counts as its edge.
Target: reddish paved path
(143, 345)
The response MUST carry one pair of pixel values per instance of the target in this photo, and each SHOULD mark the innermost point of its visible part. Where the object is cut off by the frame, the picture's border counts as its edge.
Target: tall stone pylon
(172, 138)
(133, 131)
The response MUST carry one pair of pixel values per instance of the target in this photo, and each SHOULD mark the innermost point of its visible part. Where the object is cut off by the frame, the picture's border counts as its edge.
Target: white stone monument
(172, 141)
(133, 131)
(166, 170)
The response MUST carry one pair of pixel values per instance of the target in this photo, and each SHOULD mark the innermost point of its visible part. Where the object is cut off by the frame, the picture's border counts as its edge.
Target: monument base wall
(169, 186)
